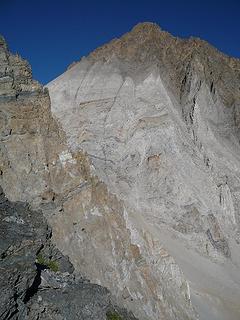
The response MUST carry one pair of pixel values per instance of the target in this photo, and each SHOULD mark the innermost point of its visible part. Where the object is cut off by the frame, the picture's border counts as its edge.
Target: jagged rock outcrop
(36, 165)
(37, 280)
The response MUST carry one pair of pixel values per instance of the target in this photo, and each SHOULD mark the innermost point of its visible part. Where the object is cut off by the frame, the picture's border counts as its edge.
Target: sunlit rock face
(90, 223)
(36, 165)
(159, 119)
(137, 170)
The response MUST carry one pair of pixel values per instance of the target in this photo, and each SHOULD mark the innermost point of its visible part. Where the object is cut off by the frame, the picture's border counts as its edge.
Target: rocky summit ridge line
(135, 164)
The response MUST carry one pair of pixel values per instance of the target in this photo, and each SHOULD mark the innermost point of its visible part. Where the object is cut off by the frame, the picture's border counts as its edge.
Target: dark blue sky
(53, 33)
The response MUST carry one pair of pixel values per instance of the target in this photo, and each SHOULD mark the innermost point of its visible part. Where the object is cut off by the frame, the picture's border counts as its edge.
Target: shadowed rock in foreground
(37, 281)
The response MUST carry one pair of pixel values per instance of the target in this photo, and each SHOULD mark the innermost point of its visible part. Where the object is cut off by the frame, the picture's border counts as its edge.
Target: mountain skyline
(132, 156)
(53, 35)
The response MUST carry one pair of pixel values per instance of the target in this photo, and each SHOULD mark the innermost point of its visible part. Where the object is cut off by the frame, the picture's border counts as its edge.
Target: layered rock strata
(159, 118)
(89, 223)
(137, 170)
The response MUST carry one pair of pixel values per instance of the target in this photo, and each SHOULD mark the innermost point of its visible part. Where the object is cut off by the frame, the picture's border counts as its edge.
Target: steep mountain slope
(158, 117)
(36, 280)
(88, 221)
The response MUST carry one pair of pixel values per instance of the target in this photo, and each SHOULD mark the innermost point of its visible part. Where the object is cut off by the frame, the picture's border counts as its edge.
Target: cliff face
(159, 118)
(35, 162)
(89, 223)
(137, 170)
(36, 166)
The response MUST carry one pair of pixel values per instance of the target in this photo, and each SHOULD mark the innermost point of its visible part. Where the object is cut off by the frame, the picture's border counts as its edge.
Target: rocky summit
(132, 156)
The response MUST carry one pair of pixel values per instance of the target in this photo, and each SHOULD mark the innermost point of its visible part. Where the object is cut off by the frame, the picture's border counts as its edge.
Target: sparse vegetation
(53, 265)
(113, 315)
(50, 264)
(41, 260)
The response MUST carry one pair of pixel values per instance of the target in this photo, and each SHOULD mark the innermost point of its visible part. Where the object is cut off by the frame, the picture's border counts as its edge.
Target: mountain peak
(146, 27)
(143, 39)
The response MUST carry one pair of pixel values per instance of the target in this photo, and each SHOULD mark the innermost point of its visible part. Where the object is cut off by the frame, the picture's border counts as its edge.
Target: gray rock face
(37, 167)
(22, 235)
(88, 221)
(159, 118)
(137, 172)
(31, 287)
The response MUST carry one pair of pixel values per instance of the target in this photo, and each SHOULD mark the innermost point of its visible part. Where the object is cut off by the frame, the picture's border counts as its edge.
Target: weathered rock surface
(36, 279)
(88, 221)
(159, 118)
(138, 171)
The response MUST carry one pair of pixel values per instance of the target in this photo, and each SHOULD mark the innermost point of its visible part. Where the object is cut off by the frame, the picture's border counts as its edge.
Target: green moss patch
(113, 315)
(50, 264)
